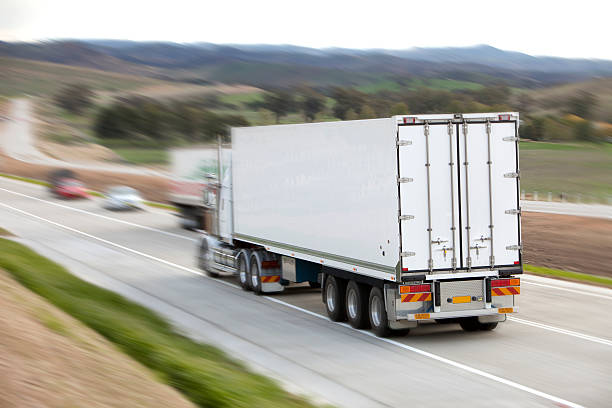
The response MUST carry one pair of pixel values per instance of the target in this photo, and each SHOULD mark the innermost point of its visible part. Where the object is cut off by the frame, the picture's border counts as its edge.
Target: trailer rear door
(489, 194)
(458, 188)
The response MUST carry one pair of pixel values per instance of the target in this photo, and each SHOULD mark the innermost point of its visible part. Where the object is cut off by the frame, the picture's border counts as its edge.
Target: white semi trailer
(401, 220)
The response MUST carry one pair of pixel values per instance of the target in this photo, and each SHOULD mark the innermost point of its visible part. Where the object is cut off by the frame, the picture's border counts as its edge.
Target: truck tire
(471, 324)
(488, 326)
(335, 291)
(255, 275)
(378, 313)
(357, 305)
(244, 275)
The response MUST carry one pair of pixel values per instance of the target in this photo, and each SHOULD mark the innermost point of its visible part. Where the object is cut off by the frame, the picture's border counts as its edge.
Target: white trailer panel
(326, 190)
(427, 193)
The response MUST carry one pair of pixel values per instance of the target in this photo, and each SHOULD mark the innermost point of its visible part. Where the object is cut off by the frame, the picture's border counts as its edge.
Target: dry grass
(546, 99)
(49, 359)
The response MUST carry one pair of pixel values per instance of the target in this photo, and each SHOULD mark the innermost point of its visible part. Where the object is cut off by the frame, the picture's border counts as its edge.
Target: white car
(123, 198)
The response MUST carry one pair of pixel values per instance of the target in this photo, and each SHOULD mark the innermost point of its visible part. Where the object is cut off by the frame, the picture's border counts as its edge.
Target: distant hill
(19, 76)
(287, 65)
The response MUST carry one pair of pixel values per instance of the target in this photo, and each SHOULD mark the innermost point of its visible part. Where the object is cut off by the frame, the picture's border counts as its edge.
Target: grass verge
(203, 373)
(582, 277)
(137, 155)
(25, 179)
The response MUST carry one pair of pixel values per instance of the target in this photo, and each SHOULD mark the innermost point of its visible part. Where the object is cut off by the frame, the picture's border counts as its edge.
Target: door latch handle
(444, 250)
(477, 248)
(439, 241)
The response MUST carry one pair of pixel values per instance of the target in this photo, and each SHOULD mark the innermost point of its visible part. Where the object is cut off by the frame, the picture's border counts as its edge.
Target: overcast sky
(576, 29)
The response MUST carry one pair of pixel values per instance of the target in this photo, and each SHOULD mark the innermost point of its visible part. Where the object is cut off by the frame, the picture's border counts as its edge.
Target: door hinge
(511, 175)
(406, 217)
(514, 247)
(407, 254)
(405, 179)
(404, 142)
(510, 139)
(513, 211)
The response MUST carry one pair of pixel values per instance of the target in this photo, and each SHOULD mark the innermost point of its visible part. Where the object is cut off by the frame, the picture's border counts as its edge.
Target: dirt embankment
(48, 359)
(579, 244)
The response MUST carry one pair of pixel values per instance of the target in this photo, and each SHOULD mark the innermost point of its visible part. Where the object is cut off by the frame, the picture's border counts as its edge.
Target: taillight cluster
(415, 288)
(498, 283)
(505, 287)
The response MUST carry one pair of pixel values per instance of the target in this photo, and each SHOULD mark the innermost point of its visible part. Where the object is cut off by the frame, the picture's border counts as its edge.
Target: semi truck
(400, 220)
(193, 183)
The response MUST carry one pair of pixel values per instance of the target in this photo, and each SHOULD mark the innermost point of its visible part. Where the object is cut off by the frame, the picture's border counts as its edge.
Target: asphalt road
(582, 210)
(556, 352)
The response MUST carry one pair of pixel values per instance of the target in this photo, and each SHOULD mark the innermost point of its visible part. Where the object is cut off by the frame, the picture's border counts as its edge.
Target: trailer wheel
(243, 271)
(255, 275)
(357, 305)
(334, 298)
(378, 313)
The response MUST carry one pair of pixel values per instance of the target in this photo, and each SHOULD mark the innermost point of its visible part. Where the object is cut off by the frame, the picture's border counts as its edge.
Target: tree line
(145, 121)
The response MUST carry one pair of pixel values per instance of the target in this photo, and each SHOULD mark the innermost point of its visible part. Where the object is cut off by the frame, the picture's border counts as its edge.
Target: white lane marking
(101, 216)
(392, 342)
(441, 359)
(563, 331)
(581, 292)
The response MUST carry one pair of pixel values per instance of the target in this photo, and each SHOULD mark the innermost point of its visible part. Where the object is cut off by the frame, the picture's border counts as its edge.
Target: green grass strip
(161, 205)
(25, 179)
(584, 277)
(203, 373)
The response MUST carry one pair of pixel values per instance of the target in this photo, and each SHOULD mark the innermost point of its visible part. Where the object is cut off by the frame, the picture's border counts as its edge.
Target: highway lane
(336, 356)
(563, 308)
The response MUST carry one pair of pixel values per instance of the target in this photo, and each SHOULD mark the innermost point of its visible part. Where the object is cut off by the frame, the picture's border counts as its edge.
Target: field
(584, 169)
(18, 77)
(137, 155)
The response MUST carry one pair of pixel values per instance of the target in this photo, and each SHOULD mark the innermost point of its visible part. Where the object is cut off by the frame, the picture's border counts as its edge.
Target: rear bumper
(453, 315)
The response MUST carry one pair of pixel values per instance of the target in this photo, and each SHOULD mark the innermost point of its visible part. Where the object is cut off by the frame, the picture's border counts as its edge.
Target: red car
(70, 188)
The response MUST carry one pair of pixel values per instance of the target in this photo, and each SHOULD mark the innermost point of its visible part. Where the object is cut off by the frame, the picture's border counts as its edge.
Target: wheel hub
(330, 297)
